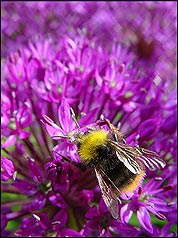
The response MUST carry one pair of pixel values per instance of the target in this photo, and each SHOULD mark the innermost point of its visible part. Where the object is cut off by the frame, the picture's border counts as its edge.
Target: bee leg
(117, 134)
(91, 128)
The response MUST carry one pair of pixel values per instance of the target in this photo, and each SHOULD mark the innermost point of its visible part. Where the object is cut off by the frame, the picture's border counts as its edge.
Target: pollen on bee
(89, 143)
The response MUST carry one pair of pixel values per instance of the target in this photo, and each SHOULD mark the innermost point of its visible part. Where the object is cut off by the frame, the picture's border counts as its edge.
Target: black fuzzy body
(115, 170)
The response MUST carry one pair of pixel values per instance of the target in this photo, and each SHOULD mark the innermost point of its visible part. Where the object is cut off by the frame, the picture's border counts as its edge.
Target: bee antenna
(74, 118)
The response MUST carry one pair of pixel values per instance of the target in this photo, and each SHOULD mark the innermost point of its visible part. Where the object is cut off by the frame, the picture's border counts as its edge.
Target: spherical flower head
(143, 204)
(40, 85)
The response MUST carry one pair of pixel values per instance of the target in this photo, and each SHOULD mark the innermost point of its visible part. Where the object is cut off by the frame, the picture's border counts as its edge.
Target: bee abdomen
(120, 175)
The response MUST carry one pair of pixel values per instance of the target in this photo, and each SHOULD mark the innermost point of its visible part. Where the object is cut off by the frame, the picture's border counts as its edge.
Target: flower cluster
(43, 190)
(129, 24)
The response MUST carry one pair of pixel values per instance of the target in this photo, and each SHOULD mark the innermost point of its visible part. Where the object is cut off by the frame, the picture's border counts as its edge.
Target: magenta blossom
(41, 183)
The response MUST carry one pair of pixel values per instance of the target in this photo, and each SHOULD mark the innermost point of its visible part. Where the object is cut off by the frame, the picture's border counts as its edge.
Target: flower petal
(88, 118)
(61, 217)
(10, 141)
(126, 213)
(8, 167)
(144, 219)
(67, 232)
(53, 130)
(65, 118)
(35, 171)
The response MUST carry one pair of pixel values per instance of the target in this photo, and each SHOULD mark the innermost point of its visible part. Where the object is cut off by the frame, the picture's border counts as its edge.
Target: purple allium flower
(49, 196)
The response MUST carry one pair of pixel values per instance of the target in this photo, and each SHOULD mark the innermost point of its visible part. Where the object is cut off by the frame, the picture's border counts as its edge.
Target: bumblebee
(119, 167)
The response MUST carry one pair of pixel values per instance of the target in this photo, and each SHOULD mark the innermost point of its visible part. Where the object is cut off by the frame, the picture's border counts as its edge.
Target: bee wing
(107, 188)
(150, 158)
(131, 156)
(129, 162)
(127, 157)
